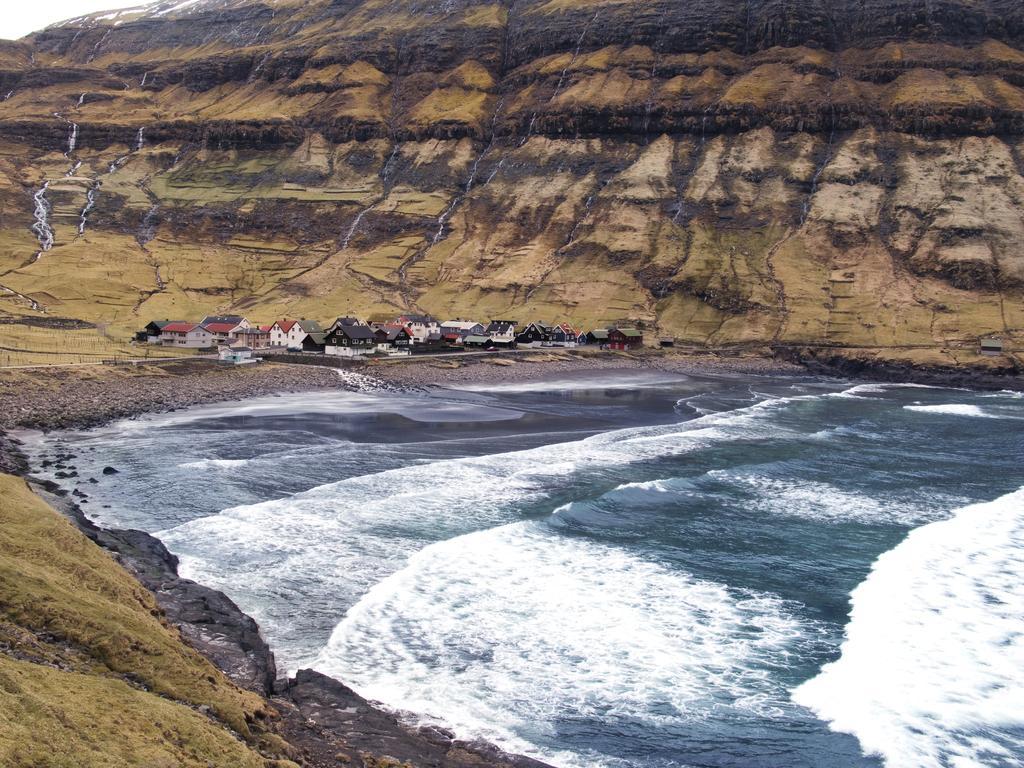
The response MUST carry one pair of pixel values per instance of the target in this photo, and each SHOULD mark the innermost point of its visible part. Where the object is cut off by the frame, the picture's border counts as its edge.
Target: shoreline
(320, 714)
(86, 397)
(80, 398)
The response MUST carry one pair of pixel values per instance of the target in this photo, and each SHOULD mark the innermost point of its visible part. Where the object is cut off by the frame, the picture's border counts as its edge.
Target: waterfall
(42, 215)
(497, 168)
(74, 169)
(575, 54)
(114, 166)
(90, 202)
(81, 101)
(575, 227)
(354, 227)
(693, 167)
(387, 166)
(7, 95)
(72, 139)
(31, 302)
(829, 150)
(444, 218)
(148, 229)
(562, 76)
(139, 140)
(142, 82)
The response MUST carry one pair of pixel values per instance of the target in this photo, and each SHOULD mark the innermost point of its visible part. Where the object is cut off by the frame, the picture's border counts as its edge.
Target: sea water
(627, 570)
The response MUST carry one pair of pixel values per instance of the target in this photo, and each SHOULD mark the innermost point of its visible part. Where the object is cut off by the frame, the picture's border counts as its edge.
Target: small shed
(991, 346)
(314, 342)
(237, 356)
(666, 342)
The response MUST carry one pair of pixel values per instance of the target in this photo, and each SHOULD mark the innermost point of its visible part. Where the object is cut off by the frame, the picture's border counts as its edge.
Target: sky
(20, 17)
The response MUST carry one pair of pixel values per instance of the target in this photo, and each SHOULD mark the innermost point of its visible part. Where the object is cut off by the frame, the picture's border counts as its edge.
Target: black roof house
(350, 336)
(234, 319)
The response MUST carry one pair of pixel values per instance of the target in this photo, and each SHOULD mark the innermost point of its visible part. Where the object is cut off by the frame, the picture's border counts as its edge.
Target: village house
(315, 342)
(393, 339)
(151, 333)
(564, 335)
(598, 336)
(625, 338)
(349, 321)
(501, 333)
(257, 337)
(534, 335)
(455, 331)
(223, 331)
(290, 333)
(477, 340)
(235, 320)
(419, 327)
(187, 335)
(991, 346)
(349, 340)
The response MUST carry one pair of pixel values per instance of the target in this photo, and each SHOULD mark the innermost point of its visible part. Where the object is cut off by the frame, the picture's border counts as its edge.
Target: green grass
(127, 686)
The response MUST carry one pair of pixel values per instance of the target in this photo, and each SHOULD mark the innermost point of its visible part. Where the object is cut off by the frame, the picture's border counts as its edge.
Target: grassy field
(31, 345)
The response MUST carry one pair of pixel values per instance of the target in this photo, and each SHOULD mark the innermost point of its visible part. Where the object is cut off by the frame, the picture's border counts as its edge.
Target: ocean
(618, 569)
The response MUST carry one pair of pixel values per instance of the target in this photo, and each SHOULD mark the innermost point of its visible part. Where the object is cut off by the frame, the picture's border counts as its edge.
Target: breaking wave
(342, 538)
(952, 409)
(499, 634)
(214, 463)
(932, 667)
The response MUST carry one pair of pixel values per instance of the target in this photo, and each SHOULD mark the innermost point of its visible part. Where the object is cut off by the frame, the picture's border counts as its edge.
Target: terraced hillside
(829, 172)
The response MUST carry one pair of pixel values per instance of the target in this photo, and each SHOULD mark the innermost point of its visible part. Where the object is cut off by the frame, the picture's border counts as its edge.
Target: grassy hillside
(89, 673)
(833, 174)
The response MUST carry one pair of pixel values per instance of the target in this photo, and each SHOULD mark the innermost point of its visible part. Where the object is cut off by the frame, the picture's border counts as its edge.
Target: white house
(420, 327)
(461, 329)
(188, 335)
(502, 332)
(290, 333)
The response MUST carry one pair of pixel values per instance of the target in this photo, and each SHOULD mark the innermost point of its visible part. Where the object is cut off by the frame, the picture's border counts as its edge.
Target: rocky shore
(76, 398)
(325, 722)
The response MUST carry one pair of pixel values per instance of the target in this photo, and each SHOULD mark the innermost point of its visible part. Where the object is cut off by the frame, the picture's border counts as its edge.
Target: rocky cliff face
(828, 172)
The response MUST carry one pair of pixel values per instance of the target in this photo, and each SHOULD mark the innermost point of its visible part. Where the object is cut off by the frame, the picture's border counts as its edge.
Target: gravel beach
(69, 398)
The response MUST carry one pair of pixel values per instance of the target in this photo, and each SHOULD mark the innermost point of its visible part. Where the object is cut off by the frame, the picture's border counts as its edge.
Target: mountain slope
(89, 673)
(834, 172)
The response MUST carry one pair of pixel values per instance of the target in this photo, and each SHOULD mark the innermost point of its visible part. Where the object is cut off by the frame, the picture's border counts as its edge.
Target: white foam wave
(500, 633)
(952, 409)
(411, 406)
(794, 497)
(214, 463)
(339, 539)
(621, 380)
(932, 667)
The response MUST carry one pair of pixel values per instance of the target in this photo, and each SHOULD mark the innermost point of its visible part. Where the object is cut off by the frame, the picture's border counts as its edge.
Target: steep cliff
(830, 172)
